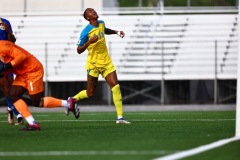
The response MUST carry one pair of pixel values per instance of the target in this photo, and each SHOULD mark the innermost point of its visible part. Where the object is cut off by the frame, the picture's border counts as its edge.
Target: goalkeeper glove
(4, 67)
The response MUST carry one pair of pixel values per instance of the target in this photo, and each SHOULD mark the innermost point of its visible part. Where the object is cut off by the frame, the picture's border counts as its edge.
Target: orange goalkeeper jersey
(22, 61)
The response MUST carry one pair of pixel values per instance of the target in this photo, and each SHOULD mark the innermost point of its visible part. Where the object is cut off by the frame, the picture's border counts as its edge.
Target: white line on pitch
(198, 150)
(145, 120)
(74, 153)
(138, 120)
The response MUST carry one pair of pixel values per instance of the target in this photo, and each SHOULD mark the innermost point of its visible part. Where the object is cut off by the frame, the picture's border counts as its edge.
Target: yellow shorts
(32, 81)
(104, 71)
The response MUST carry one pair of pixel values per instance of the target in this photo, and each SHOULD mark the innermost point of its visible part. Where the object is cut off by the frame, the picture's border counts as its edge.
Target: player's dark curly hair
(84, 14)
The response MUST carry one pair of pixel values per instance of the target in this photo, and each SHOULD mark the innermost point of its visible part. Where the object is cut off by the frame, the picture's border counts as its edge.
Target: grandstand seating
(198, 47)
(155, 47)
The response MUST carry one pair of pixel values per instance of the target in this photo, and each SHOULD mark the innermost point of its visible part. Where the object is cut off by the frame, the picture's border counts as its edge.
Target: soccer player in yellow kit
(98, 60)
(29, 77)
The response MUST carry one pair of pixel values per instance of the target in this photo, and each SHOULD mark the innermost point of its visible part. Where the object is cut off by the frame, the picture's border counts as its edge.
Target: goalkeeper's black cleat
(20, 121)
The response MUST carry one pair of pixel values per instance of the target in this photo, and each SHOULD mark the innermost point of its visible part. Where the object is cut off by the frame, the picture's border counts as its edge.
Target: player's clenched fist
(93, 39)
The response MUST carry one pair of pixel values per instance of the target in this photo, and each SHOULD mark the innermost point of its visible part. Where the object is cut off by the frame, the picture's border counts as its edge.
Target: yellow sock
(117, 99)
(81, 95)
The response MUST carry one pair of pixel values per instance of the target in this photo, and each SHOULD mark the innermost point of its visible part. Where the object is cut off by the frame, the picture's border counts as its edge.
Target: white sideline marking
(74, 153)
(138, 120)
(199, 149)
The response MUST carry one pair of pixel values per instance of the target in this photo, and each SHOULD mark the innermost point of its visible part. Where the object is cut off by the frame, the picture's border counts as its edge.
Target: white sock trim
(30, 120)
(120, 117)
(19, 115)
(65, 104)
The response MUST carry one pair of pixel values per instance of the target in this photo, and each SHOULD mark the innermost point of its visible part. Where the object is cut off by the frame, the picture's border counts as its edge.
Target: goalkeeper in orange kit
(6, 33)
(29, 77)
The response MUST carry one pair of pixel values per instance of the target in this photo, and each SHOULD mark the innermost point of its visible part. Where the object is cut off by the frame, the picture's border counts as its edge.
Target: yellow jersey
(97, 52)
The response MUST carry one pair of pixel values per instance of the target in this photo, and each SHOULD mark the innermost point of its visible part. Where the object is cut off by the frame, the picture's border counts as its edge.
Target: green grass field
(95, 136)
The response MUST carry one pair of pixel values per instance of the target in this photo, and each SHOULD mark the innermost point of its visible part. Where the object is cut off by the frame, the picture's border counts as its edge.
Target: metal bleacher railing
(155, 47)
(183, 47)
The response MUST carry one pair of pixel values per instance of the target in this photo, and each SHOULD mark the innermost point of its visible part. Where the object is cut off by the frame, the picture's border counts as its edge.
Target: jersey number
(101, 35)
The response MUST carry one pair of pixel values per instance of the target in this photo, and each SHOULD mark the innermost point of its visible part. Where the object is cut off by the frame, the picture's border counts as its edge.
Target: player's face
(91, 14)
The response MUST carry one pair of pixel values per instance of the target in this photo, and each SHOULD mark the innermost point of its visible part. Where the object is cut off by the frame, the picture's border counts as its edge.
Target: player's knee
(13, 98)
(36, 102)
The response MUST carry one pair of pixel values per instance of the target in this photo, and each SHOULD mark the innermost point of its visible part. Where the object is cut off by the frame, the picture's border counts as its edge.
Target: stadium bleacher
(155, 47)
(198, 47)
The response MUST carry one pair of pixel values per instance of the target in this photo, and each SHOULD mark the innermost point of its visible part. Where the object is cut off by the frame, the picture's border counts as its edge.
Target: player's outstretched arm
(110, 31)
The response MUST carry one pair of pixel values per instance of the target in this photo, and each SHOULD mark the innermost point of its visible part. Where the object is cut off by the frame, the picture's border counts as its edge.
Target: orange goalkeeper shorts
(32, 81)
